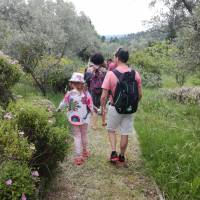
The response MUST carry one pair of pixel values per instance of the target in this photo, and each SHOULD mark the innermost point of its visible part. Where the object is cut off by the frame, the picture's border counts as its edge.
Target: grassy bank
(169, 134)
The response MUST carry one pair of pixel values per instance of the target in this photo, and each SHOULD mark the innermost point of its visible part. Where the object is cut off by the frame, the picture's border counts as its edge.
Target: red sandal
(104, 124)
(78, 160)
(86, 153)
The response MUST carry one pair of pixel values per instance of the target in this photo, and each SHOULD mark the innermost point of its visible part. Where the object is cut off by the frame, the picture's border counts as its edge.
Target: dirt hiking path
(97, 179)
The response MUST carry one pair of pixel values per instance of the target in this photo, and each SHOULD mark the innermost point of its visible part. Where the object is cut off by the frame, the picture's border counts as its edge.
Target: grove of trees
(32, 30)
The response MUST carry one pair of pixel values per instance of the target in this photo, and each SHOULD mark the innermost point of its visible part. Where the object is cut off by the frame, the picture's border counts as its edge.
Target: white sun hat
(77, 77)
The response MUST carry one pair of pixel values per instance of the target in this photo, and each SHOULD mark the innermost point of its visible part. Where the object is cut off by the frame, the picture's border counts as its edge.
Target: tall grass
(169, 134)
(169, 81)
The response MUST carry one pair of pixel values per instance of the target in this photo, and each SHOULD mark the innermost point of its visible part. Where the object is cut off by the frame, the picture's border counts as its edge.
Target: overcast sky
(113, 17)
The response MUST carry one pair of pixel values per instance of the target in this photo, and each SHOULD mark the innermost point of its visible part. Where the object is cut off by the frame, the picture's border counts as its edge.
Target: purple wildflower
(9, 182)
(35, 173)
(23, 196)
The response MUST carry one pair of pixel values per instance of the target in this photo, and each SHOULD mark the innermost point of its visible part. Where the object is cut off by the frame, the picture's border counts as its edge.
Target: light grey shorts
(123, 122)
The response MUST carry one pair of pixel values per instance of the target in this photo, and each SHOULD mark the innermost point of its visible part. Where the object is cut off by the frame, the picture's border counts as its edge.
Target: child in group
(79, 108)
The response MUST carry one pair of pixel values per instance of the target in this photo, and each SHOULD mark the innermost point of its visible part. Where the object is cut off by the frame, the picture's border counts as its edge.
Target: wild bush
(31, 145)
(9, 75)
(13, 145)
(17, 181)
(49, 141)
(150, 79)
(186, 95)
(54, 73)
(156, 58)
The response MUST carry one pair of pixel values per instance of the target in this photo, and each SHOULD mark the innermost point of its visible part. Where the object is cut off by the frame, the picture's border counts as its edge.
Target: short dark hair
(122, 55)
(97, 59)
(109, 60)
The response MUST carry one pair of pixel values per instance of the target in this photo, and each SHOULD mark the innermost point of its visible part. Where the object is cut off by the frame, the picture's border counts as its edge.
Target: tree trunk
(41, 87)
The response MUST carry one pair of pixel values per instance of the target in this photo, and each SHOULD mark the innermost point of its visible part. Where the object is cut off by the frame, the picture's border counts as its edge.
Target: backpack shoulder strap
(118, 74)
(133, 73)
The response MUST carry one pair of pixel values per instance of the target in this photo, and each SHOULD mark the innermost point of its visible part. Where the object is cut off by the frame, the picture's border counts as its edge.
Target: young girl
(79, 108)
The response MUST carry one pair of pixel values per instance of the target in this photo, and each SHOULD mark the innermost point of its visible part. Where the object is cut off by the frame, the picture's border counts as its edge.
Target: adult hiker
(97, 78)
(88, 75)
(125, 87)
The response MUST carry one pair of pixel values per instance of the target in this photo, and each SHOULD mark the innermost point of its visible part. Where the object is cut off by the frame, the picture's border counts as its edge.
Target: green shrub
(16, 181)
(12, 143)
(55, 74)
(151, 80)
(9, 75)
(29, 139)
(50, 142)
(156, 58)
(9, 72)
(15, 153)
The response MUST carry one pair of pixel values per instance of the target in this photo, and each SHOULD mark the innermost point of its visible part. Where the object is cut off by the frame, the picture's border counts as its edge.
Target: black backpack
(126, 96)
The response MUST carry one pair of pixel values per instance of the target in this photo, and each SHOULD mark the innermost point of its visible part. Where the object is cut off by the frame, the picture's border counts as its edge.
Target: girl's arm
(64, 103)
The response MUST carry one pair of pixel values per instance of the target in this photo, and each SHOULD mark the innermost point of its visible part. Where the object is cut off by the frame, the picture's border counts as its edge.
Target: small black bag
(126, 96)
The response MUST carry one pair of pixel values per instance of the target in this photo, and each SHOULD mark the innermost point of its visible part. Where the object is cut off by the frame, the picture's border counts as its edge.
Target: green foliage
(196, 80)
(40, 29)
(10, 72)
(21, 181)
(168, 81)
(150, 80)
(9, 75)
(25, 87)
(15, 152)
(170, 144)
(33, 140)
(181, 23)
(54, 73)
(50, 26)
(49, 141)
(13, 145)
(156, 58)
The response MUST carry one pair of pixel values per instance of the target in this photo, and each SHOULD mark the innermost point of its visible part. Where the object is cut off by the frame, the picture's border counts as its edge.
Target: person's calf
(112, 139)
(123, 144)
